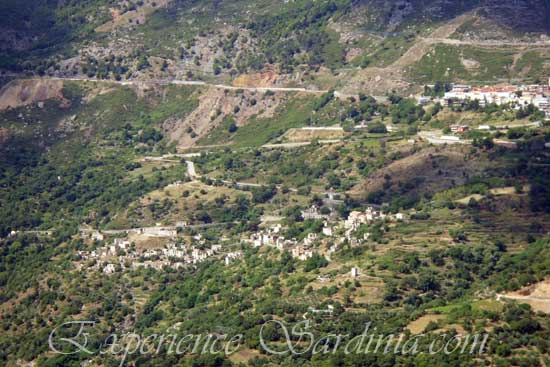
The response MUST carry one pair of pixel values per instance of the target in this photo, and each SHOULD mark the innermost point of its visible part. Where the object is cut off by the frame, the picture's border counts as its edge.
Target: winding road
(178, 82)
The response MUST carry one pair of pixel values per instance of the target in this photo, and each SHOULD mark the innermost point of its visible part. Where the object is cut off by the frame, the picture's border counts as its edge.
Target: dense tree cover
(315, 262)
(377, 128)
(300, 28)
(283, 167)
(69, 177)
(63, 187)
(43, 194)
(240, 299)
(39, 270)
(241, 209)
(405, 110)
(517, 270)
(540, 195)
(263, 194)
(424, 283)
(48, 28)
(530, 111)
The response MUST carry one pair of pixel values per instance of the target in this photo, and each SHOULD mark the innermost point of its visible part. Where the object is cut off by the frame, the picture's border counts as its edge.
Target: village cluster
(512, 96)
(516, 96)
(122, 254)
(338, 230)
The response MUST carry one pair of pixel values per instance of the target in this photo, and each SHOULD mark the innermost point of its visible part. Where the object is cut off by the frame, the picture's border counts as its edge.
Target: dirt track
(536, 295)
(423, 46)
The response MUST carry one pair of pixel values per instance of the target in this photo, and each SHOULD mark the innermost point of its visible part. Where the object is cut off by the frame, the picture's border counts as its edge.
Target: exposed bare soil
(215, 105)
(536, 295)
(137, 16)
(418, 326)
(20, 93)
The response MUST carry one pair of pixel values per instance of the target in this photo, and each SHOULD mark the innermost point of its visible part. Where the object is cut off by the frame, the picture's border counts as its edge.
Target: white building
(109, 269)
(313, 213)
(516, 96)
(328, 230)
(232, 256)
(97, 236)
(356, 218)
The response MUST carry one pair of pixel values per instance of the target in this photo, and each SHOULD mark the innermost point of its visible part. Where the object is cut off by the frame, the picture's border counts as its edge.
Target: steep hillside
(210, 168)
(87, 166)
(522, 15)
(526, 15)
(223, 40)
(423, 173)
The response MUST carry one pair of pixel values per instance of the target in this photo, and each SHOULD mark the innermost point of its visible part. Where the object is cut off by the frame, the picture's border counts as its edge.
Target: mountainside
(522, 16)
(215, 183)
(298, 40)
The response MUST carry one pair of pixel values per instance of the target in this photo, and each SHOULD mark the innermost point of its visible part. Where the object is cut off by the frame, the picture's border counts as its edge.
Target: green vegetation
(427, 263)
(222, 133)
(48, 29)
(534, 65)
(259, 131)
(93, 179)
(301, 27)
(463, 228)
(464, 63)
(405, 110)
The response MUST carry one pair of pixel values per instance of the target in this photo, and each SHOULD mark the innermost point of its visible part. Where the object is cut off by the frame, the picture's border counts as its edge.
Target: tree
(428, 282)
(539, 195)
(263, 194)
(315, 262)
(377, 128)
(457, 235)
(232, 128)
(323, 100)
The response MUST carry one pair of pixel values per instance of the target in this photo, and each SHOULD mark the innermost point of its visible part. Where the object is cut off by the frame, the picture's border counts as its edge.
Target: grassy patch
(534, 66)
(390, 50)
(220, 134)
(260, 131)
(176, 101)
(482, 305)
(464, 63)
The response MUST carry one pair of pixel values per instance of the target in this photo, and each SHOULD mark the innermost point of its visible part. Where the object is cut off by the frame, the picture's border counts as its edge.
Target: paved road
(271, 218)
(488, 43)
(192, 172)
(298, 145)
(198, 83)
(182, 82)
(153, 230)
(322, 128)
(45, 233)
(436, 137)
(415, 53)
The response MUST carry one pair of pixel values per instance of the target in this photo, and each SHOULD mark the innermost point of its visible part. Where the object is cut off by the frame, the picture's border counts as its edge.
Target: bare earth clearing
(536, 295)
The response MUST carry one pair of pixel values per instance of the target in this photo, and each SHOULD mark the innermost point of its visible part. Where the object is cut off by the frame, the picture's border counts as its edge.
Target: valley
(202, 170)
